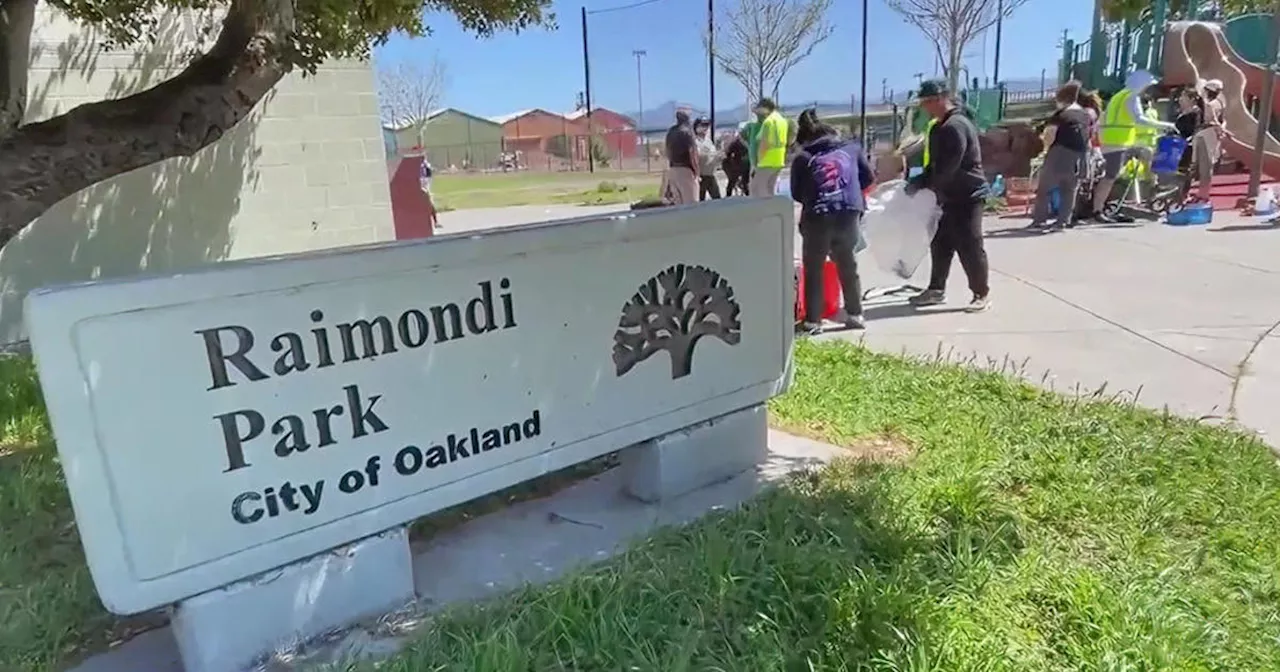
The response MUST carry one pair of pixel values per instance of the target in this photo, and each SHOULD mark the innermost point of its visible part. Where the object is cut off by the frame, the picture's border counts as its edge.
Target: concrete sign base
(229, 629)
(697, 456)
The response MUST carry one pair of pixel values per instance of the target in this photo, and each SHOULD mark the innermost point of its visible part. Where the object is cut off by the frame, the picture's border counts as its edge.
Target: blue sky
(541, 68)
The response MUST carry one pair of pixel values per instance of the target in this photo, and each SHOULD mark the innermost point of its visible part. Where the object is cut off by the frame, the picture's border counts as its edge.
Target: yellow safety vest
(1119, 128)
(775, 156)
(924, 162)
(1149, 135)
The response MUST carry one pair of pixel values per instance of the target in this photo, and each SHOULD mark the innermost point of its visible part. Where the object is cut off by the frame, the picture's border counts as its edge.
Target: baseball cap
(1213, 85)
(931, 88)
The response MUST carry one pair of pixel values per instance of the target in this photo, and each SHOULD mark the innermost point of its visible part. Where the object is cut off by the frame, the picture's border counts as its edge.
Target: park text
(237, 356)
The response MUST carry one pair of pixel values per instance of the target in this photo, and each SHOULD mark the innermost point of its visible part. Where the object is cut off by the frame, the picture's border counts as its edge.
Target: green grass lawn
(48, 608)
(457, 192)
(985, 526)
(990, 527)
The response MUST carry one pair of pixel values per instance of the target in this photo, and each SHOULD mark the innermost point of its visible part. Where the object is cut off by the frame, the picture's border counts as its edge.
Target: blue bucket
(1195, 214)
(1169, 151)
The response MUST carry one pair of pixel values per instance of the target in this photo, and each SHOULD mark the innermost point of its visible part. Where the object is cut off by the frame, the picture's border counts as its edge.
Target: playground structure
(1180, 49)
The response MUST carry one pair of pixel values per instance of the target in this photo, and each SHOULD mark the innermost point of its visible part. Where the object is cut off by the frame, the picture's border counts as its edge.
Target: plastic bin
(1168, 153)
(1195, 214)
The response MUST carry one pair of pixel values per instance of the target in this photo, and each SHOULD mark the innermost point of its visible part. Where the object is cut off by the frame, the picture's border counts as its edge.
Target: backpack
(833, 174)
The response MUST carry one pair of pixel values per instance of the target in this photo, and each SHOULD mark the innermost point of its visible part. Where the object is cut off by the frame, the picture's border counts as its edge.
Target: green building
(452, 137)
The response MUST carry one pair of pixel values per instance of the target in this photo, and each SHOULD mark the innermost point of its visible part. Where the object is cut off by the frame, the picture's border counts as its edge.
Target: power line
(633, 5)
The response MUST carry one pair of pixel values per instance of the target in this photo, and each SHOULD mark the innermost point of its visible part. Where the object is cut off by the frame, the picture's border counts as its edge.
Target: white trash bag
(898, 228)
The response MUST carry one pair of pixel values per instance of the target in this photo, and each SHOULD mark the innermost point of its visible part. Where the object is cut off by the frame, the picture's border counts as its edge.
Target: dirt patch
(881, 450)
(878, 448)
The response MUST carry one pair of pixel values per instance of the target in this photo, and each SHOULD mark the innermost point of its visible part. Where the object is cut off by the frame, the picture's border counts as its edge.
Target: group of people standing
(829, 179)
(752, 160)
(1127, 130)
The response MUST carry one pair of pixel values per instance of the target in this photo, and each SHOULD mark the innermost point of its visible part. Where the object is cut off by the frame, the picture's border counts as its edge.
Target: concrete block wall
(306, 171)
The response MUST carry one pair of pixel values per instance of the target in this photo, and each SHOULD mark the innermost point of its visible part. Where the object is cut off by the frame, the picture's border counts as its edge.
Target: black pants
(707, 185)
(960, 234)
(832, 235)
(737, 182)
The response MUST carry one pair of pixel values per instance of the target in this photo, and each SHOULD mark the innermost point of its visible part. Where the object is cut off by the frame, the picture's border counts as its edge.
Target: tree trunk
(45, 162)
(17, 17)
(953, 67)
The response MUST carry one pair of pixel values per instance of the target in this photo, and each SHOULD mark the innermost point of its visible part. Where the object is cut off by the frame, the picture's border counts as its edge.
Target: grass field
(986, 526)
(462, 191)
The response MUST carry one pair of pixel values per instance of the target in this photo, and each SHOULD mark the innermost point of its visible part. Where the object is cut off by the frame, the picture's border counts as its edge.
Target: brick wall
(306, 171)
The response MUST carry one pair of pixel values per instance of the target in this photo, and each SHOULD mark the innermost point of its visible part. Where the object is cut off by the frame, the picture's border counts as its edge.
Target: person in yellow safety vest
(924, 160)
(772, 153)
(1119, 135)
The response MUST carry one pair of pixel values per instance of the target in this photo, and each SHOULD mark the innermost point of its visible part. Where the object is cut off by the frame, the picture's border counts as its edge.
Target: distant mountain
(661, 116)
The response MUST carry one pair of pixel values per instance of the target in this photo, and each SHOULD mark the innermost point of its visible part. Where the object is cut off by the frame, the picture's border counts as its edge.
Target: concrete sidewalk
(1185, 318)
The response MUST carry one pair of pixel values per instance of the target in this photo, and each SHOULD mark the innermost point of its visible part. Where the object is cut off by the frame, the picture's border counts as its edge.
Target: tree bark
(17, 18)
(45, 162)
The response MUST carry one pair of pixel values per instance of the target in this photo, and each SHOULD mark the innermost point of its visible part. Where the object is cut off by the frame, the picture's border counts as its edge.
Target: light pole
(711, 63)
(586, 80)
(999, 27)
(639, 54)
(862, 94)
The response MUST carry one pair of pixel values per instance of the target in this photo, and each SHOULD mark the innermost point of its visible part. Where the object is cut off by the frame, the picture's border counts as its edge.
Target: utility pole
(862, 94)
(639, 54)
(586, 76)
(1264, 114)
(711, 63)
(999, 28)
(884, 90)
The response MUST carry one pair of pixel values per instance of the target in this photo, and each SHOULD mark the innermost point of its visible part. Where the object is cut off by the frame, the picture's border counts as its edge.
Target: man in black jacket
(737, 165)
(955, 174)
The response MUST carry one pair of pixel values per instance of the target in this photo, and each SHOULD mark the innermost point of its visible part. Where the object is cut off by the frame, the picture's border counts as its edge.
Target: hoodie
(805, 187)
(1137, 82)
(955, 171)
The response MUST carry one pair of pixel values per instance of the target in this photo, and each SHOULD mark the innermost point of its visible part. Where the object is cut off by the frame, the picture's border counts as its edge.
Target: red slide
(1199, 50)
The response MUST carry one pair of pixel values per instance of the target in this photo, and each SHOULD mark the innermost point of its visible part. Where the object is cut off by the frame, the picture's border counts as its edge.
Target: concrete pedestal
(228, 629)
(696, 456)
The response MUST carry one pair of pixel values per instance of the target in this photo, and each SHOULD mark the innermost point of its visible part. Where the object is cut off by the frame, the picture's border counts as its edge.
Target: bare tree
(759, 41)
(951, 25)
(409, 91)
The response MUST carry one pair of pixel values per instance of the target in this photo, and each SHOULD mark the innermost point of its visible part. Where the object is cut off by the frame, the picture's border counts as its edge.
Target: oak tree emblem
(671, 312)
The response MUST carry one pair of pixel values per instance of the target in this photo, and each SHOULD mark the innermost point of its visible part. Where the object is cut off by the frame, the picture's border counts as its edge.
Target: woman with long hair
(828, 176)
(1190, 118)
(1068, 133)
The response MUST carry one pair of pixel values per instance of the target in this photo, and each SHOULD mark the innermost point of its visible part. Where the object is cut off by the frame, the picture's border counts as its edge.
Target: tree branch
(758, 42)
(952, 24)
(409, 91)
(17, 18)
(45, 162)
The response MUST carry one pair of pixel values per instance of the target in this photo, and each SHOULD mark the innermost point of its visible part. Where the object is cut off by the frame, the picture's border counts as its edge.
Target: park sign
(216, 424)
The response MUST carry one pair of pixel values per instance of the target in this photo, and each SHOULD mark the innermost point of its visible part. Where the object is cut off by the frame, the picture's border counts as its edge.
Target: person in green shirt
(771, 149)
